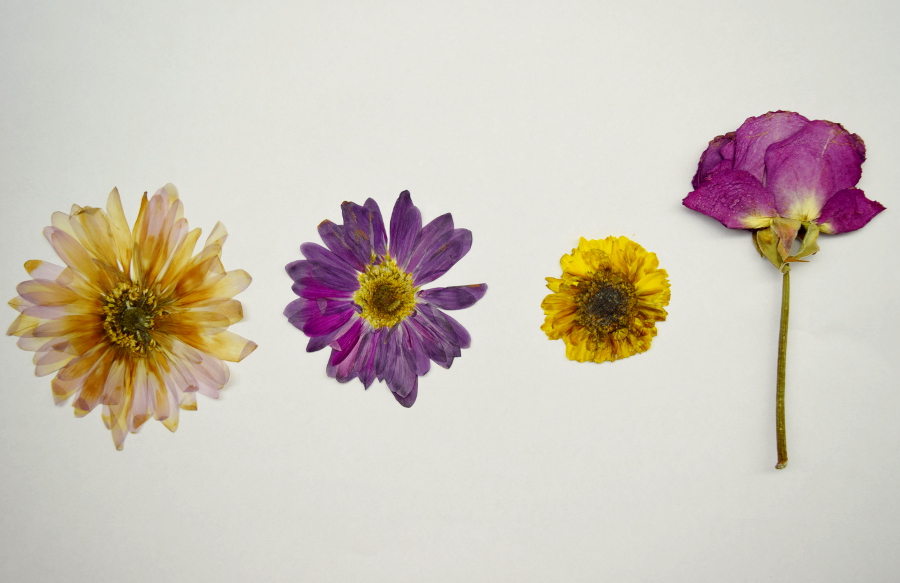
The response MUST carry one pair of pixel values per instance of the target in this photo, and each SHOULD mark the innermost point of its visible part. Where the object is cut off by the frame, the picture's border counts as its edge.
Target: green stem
(782, 361)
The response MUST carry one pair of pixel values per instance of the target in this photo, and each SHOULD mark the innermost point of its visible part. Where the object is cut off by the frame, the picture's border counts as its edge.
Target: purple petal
(755, 135)
(317, 343)
(379, 235)
(335, 238)
(805, 170)
(313, 320)
(438, 334)
(299, 269)
(444, 258)
(416, 355)
(847, 210)
(410, 397)
(311, 289)
(358, 229)
(454, 298)
(406, 224)
(433, 236)
(329, 269)
(734, 198)
(463, 338)
(719, 152)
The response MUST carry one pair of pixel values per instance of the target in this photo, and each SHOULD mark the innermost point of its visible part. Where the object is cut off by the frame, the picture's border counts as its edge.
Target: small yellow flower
(608, 301)
(134, 322)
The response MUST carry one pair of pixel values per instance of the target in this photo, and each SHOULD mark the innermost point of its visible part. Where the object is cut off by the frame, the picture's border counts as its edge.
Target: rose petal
(755, 136)
(734, 198)
(847, 210)
(719, 152)
(808, 168)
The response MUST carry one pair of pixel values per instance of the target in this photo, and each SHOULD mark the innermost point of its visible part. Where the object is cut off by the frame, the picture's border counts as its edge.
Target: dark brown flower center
(129, 315)
(606, 304)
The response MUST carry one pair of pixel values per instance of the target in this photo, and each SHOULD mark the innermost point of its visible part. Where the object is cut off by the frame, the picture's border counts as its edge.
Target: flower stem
(782, 361)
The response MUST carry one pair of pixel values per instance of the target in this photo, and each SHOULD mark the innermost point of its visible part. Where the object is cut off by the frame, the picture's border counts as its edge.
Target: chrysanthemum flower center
(386, 294)
(129, 314)
(606, 303)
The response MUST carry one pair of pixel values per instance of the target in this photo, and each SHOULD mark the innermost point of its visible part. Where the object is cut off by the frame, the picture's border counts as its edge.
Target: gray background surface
(534, 124)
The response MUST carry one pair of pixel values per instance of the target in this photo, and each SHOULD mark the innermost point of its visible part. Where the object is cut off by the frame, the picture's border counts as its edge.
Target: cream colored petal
(43, 269)
(217, 236)
(22, 326)
(120, 231)
(229, 346)
(93, 231)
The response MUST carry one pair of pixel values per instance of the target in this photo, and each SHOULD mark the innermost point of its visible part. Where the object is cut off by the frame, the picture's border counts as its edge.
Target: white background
(534, 124)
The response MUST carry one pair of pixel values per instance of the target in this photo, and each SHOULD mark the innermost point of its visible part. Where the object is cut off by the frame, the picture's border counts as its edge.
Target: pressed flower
(606, 305)
(134, 321)
(362, 295)
(785, 179)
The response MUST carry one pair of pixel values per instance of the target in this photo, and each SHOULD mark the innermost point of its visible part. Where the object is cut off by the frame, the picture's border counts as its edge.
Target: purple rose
(787, 175)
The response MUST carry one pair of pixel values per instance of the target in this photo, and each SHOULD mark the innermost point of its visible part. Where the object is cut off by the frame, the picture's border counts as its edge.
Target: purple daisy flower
(362, 295)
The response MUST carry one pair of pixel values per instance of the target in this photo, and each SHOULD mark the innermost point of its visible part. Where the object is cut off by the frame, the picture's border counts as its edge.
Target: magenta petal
(454, 298)
(805, 170)
(719, 152)
(848, 210)
(406, 224)
(755, 135)
(734, 198)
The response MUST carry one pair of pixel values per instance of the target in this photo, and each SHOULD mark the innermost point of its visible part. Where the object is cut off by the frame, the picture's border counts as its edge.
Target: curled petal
(718, 155)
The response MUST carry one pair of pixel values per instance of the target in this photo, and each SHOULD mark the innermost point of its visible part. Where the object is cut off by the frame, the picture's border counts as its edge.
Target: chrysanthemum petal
(454, 298)
(329, 269)
(379, 235)
(433, 236)
(406, 224)
(444, 257)
(335, 238)
(359, 230)
(848, 210)
(43, 270)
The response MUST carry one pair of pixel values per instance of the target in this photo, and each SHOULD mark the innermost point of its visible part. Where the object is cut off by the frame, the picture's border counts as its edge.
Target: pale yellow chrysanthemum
(134, 322)
(608, 301)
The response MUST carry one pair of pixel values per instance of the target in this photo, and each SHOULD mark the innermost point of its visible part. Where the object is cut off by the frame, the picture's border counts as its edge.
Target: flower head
(363, 296)
(134, 321)
(608, 301)
(786, 177)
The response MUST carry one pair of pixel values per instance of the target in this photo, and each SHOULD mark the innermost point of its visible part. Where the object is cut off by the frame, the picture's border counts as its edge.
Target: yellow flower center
(386, 294)
(129, 314)
(606, 303)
